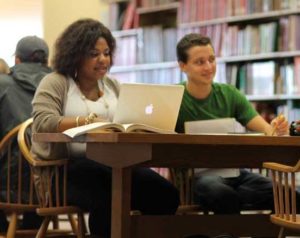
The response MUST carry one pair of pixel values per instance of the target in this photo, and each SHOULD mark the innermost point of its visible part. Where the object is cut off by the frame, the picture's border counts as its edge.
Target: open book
(110, 126)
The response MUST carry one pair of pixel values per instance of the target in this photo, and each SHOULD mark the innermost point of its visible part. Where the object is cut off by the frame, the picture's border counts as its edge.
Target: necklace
(100, 95)
(106, 105)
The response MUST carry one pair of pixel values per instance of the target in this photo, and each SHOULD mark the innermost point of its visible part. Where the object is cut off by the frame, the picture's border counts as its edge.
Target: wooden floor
(65, 225)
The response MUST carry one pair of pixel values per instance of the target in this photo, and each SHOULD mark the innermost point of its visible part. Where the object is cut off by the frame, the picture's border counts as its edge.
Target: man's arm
(257, 123)
(279, 126)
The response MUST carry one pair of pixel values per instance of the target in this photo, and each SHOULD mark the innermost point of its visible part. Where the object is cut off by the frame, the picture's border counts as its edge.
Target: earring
(75, 75)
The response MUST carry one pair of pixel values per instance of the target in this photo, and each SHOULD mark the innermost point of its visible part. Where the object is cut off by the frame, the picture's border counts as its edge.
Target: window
(18, 18)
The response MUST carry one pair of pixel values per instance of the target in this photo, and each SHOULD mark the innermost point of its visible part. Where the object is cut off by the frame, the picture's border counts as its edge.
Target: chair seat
(295, 225)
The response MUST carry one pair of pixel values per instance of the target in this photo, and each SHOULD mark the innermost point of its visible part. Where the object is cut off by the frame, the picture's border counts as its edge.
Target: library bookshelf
(257, 44)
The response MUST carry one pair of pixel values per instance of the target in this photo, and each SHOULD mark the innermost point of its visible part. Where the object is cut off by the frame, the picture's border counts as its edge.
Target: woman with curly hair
(79, 92)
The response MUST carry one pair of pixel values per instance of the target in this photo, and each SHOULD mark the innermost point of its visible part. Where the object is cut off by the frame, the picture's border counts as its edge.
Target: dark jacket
(16, 93)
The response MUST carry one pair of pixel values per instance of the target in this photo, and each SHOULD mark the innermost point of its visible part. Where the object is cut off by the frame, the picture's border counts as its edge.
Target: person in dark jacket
(18, 87)
(16, 92)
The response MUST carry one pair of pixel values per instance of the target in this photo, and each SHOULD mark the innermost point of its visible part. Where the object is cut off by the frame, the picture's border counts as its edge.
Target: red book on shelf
(200, 11)
(129, 16)
(186, 14)
(136, 20)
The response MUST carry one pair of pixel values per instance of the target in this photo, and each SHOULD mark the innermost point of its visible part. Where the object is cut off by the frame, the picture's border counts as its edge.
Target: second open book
(110, 126)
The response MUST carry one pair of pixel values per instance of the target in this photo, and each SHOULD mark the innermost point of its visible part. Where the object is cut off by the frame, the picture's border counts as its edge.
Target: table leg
(121, 202)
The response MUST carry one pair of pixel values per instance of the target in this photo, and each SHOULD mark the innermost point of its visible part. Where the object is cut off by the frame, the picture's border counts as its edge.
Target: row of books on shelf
(170, 75)
(116, 15)
(233, 40)
(215, 32)
(266, 78)
(263, 78)
(153, 3)
(202, 10)
(289, 33)
(123, 15)
(253, 39)
(128, 50)
(257, 78)
(149, 45)
(157, 44)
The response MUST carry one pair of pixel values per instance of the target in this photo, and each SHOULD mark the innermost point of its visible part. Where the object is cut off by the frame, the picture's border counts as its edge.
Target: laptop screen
(156, 105)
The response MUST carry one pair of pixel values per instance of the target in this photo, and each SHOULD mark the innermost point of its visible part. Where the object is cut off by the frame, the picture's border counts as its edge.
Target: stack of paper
(219, 126)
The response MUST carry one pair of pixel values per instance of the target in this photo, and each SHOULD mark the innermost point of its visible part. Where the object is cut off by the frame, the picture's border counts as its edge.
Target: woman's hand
(100, 119)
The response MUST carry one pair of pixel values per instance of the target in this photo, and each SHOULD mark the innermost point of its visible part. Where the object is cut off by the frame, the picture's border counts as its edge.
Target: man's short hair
(32, 49)
(188, 41)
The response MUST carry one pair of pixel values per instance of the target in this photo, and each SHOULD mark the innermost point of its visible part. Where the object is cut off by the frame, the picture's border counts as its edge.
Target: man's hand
(280, 126)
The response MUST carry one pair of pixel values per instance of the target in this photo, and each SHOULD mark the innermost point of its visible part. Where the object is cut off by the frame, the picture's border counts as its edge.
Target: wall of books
(257, 44)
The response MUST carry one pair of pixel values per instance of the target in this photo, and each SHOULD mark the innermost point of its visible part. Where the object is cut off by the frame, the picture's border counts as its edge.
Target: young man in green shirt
(203, 99)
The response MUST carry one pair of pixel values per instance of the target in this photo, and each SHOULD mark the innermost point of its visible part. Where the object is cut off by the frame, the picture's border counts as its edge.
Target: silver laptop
(156, 105)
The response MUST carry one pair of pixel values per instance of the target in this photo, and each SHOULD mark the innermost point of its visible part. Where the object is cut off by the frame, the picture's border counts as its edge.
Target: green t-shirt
(224, 101)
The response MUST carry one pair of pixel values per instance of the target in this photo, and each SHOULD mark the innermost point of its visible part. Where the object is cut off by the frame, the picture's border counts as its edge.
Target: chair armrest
(45, 163)
(278, 167)
(24, 146)
(282, 167)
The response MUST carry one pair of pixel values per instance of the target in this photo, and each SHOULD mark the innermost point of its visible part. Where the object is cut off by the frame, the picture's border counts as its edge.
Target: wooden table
(121, 151)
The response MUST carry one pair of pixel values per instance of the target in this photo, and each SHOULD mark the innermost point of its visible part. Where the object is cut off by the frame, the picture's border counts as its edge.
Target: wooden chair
(16, 185)
(183, 179)
(284, 190)
(51, 188)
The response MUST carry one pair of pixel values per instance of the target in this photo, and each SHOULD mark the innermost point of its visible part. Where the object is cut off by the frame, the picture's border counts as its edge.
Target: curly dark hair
(75, 43)
(188, 41)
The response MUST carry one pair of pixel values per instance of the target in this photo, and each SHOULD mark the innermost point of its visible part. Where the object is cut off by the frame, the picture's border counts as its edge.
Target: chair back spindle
(284, 192)
(17, 194)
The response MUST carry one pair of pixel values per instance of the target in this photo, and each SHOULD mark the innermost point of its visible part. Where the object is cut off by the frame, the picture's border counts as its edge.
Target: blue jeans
(248, 191)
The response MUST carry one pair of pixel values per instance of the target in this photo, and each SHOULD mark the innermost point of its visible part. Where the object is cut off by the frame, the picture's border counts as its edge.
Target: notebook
(156, 105)
(213, 126)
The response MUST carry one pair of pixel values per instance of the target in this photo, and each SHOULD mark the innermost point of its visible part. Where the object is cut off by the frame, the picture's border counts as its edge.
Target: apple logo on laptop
(149, 109)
